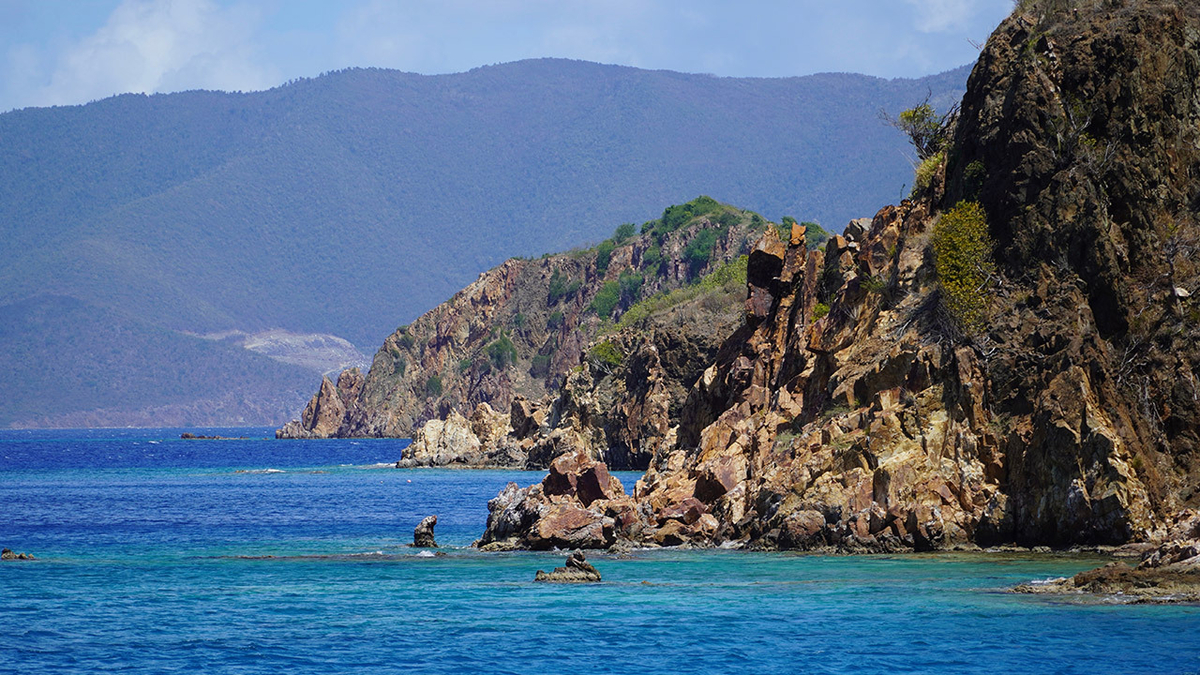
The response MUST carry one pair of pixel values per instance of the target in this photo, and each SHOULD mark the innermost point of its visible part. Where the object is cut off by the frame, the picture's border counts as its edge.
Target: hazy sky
(73, 51)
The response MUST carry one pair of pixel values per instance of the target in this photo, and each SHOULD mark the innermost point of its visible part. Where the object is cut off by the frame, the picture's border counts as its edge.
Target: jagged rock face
(325, 411)
(1067, 421)
(572, 508)
(459, 441)
(517, 331)
(623, 414)
(878, 423)
(1087, 130)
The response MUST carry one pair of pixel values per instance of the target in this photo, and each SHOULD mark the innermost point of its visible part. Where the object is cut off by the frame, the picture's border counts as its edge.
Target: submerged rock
(1169, 572)
(423, 534)
(577, 571)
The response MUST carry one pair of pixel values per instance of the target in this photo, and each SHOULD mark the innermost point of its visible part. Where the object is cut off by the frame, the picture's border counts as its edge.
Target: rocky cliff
(522, 328)
(619, 405)
(1011, 355)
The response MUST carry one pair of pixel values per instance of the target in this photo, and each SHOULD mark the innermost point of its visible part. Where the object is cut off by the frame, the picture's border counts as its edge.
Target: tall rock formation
(872, 399)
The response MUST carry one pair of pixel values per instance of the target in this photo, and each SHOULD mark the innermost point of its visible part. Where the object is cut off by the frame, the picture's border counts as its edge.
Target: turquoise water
(189, 556)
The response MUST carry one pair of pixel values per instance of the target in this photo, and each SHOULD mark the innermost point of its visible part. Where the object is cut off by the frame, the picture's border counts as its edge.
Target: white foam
(1047, 581)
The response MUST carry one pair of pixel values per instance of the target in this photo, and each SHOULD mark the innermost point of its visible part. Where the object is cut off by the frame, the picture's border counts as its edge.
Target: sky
(65, 52)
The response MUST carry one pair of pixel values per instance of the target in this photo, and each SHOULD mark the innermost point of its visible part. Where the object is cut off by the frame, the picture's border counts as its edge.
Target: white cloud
(159, 45)
(936, 16)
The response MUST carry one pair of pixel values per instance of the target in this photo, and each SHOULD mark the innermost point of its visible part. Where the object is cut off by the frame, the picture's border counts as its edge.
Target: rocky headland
(1010, 356)
(556, 343)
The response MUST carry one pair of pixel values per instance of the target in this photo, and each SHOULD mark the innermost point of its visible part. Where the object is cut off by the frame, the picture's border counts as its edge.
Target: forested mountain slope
(350, 203)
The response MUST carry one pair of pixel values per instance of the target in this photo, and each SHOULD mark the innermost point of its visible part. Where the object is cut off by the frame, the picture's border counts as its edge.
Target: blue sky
(56, 52)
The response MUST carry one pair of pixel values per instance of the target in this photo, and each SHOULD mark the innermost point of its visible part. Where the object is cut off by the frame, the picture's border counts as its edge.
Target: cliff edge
(1009, 356)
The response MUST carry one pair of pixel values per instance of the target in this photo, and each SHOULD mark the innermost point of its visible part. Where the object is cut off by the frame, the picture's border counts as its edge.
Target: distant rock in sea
(577, 571)
(423, 534)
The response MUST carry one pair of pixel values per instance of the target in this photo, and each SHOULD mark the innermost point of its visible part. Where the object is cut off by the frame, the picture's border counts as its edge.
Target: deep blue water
(153, 558)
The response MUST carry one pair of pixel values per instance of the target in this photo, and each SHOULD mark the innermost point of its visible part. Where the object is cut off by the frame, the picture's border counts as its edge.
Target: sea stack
(423, 534)
(577, 571)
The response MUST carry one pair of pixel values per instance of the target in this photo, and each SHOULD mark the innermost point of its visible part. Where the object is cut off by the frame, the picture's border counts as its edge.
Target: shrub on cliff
(699, 250)
(925, 172)
(606, 353)
(962, 251)
(631, 285)
(606, 299)
(561, 286)
(604, 255)
(814, 234)
(624, 231)
(502, 352)
(925, 128)
(433, 386)
(540, 366)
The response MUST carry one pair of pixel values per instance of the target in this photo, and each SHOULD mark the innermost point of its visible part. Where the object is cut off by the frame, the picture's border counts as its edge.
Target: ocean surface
(160, 555)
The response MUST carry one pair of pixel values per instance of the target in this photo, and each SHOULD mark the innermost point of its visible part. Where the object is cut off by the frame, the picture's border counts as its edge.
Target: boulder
(423, 534)
(568, 526)
(443, 443)
(577, 570)
(9, 554)
(581, 477)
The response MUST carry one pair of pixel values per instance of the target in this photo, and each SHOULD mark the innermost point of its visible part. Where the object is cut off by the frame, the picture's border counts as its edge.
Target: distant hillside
(521, 327)
(350, 203)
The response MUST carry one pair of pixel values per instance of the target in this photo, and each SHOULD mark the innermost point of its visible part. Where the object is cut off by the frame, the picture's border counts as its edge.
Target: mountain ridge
(318, 207)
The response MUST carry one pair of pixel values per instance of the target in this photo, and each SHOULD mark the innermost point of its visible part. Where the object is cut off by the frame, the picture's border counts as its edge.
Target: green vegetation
(652, 261)
(502, 353)
(974, 175)
(606, 352)
(728, 277)
(540, 365)
(604, 255)
(631, 286)
(561, 286)
(518, 320)
(925, 128)
(962, 251)
(926, 171)
(433, 386)
(406, 341)
(676, 216)
(820, 311)
(785, 227)
(699, 250)
(623, 232)
(814, 234)
(464, 365)
(606, 299)
(554, 320)
(399, 365)
(873, 284)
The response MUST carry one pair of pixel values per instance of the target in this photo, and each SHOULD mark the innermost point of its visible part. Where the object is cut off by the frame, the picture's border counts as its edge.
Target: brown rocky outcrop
(516, 332)
(578, 505)
(423, 533)
(577, 571)
(325, 411)
(853, 410)
(8, 554)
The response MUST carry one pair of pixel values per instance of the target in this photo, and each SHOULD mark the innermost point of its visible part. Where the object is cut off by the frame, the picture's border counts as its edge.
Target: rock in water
(577, 571)
(9, 554)
(423, 534)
